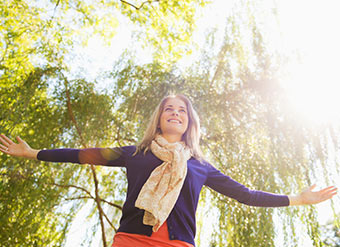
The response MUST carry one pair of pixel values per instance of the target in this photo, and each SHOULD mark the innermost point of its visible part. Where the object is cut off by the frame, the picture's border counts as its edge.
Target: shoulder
(127, 151)
(131, 148)
(202, 163)
(114, 153)
(134, 153)
(209, 168)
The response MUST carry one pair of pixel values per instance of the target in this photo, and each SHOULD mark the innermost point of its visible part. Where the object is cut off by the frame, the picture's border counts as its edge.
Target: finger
(4, 149)
(329, 195)
(333, 191)
(330, 188)
(312, 187)
(19, 139)
(325, 194)
(3, 141)
(7, 139)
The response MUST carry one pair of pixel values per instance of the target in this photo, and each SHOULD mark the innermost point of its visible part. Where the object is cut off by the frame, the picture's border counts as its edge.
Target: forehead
(175, 102)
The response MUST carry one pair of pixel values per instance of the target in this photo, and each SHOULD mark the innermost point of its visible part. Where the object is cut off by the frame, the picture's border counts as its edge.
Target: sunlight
(313, 92)
(310, 32)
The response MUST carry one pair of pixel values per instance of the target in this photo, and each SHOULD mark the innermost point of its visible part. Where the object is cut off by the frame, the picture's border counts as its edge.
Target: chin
(175, 132)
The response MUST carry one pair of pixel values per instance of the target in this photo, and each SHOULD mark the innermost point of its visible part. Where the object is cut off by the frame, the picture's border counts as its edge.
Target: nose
(175, 112)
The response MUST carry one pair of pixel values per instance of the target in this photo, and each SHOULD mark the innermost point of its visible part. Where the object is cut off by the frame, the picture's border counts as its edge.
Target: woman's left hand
(308, 196)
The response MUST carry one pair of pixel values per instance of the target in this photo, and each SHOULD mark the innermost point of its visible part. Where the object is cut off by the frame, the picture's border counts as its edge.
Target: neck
(172, 138)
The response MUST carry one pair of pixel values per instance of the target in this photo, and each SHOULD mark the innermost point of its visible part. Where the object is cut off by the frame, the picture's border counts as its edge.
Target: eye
(182, 110)
(167, 109)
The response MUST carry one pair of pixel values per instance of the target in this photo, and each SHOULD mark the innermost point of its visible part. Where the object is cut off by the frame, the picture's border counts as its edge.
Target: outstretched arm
(20, 149)
(229, 187)
(308, 196)
(95, 156)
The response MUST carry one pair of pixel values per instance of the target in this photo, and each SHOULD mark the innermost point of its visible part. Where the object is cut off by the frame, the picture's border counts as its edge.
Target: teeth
(173, 121)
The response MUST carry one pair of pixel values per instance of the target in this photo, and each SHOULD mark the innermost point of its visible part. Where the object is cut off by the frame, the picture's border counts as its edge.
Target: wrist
(295, 200)
(32, 154)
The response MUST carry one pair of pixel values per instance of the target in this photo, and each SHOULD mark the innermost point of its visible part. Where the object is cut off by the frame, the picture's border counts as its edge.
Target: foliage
(44, 32)
(28, 201)
(331, 234)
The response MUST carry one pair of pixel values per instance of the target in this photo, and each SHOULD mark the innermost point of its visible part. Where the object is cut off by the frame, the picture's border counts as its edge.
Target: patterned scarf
(160, 192)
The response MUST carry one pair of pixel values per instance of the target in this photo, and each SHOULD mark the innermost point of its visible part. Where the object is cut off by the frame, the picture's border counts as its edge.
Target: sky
(307, 29)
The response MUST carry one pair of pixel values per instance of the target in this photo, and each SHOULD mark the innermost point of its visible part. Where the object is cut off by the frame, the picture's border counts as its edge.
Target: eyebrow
(173, 106)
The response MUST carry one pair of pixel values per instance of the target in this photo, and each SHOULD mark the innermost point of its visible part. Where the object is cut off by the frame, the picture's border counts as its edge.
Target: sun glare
(313, 85)
(313, 93)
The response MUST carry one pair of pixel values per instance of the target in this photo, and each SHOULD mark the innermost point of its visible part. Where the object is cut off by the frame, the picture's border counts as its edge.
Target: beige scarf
(160, 192)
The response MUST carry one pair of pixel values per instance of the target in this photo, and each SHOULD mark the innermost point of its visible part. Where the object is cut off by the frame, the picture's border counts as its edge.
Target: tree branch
(112, 204)
(98, 199)
(73, 186)
(95, 180)
(54, 10)
(114, 228)
(91, 197)
(220, 64)
(141, 6)
(70, 111)
(78, 198)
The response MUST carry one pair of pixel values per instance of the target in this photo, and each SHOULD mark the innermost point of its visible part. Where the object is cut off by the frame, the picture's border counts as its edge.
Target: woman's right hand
(20, 149)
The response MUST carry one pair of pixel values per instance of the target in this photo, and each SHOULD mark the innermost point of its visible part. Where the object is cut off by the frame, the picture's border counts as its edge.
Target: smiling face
(174, 119)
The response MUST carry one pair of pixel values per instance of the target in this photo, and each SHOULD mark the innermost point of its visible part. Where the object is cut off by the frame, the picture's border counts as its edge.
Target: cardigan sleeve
(94, 156)
(225, 185)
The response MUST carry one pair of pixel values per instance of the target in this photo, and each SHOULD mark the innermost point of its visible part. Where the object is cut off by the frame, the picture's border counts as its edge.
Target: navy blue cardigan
(181, 221)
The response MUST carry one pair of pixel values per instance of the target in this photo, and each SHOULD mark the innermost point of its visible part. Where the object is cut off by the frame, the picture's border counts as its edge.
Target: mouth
(174, 121)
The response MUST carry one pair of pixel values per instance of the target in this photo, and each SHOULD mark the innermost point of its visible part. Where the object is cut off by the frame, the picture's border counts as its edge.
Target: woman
(165, 173)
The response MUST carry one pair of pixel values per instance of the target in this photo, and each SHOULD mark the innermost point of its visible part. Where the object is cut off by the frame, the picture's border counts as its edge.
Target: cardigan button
(172, 236)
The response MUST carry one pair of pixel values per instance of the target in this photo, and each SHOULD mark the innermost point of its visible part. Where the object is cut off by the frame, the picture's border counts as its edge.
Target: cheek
(162, 120)
(163, 117)
(186, 122)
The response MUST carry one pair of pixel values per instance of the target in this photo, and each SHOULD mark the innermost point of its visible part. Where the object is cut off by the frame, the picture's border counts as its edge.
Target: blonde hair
(191, 137)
